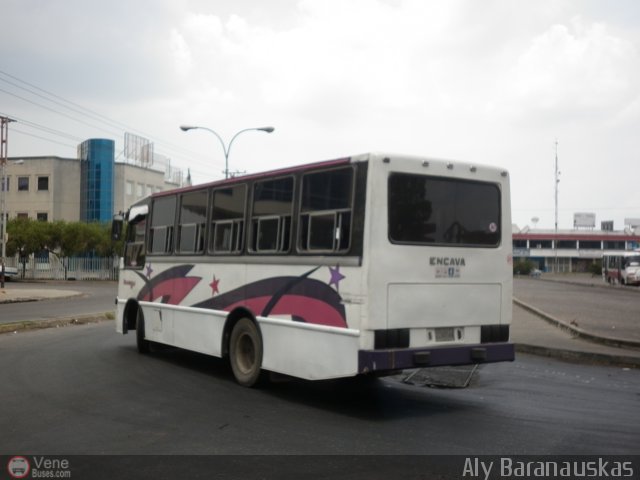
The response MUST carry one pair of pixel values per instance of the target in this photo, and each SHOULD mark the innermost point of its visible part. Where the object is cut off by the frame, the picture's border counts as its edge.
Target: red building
(570, 250)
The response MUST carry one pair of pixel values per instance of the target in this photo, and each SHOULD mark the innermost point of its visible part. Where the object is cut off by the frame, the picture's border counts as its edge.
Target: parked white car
(10, 272)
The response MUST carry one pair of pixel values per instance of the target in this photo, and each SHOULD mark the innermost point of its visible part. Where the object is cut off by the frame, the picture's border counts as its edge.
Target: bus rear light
(494, 333)
(395, 338)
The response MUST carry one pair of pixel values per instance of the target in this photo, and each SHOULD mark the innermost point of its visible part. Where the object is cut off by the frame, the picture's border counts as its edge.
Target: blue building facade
(96, 179)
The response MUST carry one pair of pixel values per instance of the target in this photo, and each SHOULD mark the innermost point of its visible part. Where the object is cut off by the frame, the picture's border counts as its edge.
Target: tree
(64, 238)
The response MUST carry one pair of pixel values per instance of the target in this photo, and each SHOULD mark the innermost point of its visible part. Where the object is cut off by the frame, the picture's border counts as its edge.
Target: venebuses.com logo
(38, 467)
(18, 467)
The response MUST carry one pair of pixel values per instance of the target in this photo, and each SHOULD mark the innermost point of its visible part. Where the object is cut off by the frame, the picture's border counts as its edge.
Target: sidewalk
(15, 295)
(544, 328)
(531, 333)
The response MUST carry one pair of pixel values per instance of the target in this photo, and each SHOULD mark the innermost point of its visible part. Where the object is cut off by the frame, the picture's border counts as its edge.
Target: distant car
(535, 273)
(10, 272)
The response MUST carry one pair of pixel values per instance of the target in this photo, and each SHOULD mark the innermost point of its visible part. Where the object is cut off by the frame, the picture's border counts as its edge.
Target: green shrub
(596, 268)
(523, 267)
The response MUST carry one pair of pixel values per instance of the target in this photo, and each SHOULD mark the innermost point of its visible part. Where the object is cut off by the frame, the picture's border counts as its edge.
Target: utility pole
(557, 181)
(4, 131)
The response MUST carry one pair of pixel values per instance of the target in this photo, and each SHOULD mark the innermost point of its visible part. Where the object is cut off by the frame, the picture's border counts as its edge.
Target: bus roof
(324, 164)
(254, 176)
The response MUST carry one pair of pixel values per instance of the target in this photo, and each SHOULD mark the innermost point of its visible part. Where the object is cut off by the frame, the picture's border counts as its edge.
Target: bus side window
(191, 224)
(227, 220)
(325, 211)
(162, 225)
(271, 216)
(134, 249)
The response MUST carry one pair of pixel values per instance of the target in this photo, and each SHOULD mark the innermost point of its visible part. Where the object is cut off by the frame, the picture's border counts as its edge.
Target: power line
(52, 110)
(77, 110)
(37, 126)
(91, 114)
(105, 125)
(16, 130)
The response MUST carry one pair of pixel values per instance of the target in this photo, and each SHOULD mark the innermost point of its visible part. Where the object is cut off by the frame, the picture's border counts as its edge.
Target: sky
(494, 82)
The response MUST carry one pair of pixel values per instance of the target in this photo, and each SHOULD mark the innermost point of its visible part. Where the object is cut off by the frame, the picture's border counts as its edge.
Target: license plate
(444, 334)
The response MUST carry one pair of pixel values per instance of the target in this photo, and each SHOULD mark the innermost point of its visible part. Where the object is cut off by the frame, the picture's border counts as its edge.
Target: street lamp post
(226, 148)
(4, 129)
(3, 231)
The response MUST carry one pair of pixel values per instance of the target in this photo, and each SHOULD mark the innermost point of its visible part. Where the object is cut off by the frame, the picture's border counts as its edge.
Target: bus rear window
(443, 211)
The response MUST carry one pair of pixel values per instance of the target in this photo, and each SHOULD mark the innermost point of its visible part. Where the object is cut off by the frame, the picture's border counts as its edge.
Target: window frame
(39, 179)
(238, 240)
(168, 229)
(20, 187)
(135, 248)
(285, 222)
(304, 217)
(199, 235)
(499, 221)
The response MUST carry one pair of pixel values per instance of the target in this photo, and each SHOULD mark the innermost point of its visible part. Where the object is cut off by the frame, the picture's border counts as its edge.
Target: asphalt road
(86, 390)
(94, 297)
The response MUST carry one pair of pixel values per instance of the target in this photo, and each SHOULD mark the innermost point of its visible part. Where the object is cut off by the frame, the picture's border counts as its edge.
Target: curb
(579, 332)
(600, 284)
(57, 322)
(580, 357)
(37, 298)
(19, 300)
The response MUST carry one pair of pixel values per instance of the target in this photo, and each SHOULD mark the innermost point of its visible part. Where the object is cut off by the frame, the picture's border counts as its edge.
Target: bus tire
(245, 352)
(144, 346)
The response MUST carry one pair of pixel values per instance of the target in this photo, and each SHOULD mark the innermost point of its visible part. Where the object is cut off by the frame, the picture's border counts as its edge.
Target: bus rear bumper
(407, 358)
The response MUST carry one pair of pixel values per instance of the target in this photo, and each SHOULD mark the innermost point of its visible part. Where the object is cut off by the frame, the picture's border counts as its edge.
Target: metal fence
(52, 267)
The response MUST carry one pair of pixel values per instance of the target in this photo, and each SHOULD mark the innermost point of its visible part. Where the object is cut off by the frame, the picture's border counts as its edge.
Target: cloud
(575, 69)
(490, 82)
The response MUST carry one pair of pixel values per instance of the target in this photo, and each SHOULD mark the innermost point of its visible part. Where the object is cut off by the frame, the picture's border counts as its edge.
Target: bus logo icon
(18, 467)
(448, 272)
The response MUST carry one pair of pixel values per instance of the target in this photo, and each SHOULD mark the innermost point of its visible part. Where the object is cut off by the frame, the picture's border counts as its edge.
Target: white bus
(363, 265)
(621, 268)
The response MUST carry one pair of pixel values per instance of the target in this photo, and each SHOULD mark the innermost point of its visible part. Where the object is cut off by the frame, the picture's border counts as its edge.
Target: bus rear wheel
(245, 352)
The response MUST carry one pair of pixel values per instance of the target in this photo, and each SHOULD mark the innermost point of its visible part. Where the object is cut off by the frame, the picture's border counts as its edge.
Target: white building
(48, 188)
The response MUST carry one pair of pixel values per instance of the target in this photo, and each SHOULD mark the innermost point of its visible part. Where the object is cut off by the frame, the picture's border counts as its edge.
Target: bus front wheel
(143, 344)
(245, 352)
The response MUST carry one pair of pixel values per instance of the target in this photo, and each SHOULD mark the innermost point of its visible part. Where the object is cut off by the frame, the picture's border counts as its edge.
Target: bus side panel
(119, 315)
(198, 330)
(192, 329)
(307, 352)
(158, 322)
